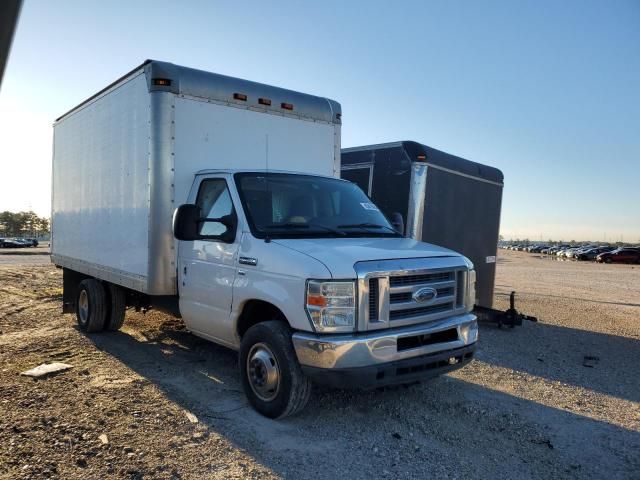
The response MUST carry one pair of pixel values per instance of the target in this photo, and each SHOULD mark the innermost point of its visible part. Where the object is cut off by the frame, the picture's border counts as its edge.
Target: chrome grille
(373, 299)
(460, 282)
(420, 279)
(389, 297)
(406, 296)
(413, 312)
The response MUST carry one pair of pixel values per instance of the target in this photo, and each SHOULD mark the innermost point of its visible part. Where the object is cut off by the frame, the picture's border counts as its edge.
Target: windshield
(289, 205)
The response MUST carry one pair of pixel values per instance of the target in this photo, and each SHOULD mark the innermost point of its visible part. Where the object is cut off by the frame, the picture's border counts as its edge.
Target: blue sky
(549, 92)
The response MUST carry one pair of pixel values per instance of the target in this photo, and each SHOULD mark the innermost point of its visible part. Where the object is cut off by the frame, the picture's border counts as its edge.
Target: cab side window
(214, 201)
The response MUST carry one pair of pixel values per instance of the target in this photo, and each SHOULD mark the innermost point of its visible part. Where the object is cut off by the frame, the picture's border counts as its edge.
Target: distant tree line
(23, 224)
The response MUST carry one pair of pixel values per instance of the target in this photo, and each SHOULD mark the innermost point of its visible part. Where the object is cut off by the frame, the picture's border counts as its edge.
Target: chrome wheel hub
(263, 372)
(83, 306)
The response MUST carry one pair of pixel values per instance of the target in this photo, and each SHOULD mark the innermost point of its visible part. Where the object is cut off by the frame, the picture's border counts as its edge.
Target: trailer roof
(164, 76)
(415, 151)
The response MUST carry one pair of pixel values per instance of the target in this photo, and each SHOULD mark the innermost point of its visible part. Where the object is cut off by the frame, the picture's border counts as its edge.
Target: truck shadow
(417, 428)
(591, 360)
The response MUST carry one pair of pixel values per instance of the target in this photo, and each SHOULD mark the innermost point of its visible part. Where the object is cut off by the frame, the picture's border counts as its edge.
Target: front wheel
(270, 373)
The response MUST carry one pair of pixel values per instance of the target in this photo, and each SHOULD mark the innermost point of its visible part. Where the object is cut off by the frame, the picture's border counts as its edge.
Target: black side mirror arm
(397, 222)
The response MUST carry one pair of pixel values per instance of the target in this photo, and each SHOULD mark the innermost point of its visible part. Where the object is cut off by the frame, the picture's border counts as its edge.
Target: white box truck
(219, 200)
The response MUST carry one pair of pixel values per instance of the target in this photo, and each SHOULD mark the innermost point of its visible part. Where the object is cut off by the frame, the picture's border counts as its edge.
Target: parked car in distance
(537, 248)
(18, 242)
(574, 252)
(555, 249)
(12, 243)
(620, 255)
(592, 253)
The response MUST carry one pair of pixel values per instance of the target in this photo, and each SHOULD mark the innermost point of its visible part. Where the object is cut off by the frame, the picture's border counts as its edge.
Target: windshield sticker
(369, 206)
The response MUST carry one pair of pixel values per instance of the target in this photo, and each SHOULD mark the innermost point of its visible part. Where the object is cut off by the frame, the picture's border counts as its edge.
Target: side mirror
(230, 223)
(186, 222)
(188, 225)
(397, 222)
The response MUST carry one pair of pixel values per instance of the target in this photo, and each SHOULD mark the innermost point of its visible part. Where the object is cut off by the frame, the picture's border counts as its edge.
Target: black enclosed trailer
(443, 199)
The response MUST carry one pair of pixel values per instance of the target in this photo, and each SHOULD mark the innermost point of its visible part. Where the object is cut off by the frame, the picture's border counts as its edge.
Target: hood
(340, 254)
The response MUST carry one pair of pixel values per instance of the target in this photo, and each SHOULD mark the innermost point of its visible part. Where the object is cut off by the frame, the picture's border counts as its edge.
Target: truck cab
(310, 282)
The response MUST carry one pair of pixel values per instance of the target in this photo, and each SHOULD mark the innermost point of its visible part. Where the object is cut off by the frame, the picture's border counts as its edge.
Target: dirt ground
(153, 401)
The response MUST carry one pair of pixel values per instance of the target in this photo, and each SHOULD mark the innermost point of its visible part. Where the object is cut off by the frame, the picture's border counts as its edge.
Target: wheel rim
(83, 306)
(263, 372)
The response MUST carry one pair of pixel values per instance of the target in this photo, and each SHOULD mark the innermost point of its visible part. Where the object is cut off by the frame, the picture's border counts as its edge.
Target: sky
(546, 91)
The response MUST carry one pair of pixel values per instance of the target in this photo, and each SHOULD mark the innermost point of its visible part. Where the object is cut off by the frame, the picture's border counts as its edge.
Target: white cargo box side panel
(212, 136)
(100, 204)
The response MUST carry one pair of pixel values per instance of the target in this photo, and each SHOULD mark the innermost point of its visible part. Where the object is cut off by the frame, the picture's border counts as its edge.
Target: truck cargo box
(444, 199)
(124, 159)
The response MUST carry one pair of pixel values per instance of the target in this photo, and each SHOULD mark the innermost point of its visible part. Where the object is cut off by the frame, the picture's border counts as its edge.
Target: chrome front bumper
(381, 347)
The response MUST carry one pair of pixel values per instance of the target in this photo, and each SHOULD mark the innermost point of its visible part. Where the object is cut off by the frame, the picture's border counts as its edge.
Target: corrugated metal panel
(100, 201)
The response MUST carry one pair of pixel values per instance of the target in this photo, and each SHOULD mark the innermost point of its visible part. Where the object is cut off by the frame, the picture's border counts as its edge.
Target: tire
(266, 351)
(117, 308)
(607, 260)
(91, 305)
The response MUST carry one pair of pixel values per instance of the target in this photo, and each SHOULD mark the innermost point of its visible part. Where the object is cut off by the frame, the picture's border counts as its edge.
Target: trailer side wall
(100, 198)
(463, 214)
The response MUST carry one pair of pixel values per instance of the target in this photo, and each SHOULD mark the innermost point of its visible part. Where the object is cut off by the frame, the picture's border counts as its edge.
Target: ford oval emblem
(426, 294)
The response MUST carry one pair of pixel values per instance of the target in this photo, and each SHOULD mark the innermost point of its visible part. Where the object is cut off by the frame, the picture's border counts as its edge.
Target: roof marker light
(163, 82)
(287, 106)
(422, 157)
(240, 96)
(264, 101)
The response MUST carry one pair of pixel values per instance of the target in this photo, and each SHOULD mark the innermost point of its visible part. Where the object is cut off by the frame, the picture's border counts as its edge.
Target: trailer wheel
(91, 306)
(117, 308)
(270, 373)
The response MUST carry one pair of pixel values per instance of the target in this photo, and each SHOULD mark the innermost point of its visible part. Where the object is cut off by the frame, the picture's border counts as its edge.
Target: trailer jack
(509, 318)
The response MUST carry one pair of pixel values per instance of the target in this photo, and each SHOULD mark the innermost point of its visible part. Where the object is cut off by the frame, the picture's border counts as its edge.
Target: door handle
(248, 261)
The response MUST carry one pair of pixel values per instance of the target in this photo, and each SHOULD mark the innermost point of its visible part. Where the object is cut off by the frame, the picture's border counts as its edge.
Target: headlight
(332, 305)
(471, 290)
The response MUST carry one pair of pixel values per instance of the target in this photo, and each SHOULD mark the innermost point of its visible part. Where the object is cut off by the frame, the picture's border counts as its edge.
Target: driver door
(206, 268)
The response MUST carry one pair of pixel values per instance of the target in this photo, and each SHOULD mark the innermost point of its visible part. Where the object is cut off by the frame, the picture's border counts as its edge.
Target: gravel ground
(169, 405)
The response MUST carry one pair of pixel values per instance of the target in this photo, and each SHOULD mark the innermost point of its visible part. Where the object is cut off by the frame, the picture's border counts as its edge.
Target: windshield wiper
(291, 225)
(368, 225)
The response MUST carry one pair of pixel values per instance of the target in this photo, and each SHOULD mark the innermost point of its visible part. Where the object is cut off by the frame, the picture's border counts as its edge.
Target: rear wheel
(91, 305)
(607, 260)
(117, 308)
(270, 373)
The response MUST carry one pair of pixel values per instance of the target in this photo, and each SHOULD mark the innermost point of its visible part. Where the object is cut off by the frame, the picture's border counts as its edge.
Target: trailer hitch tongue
(509, 318)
